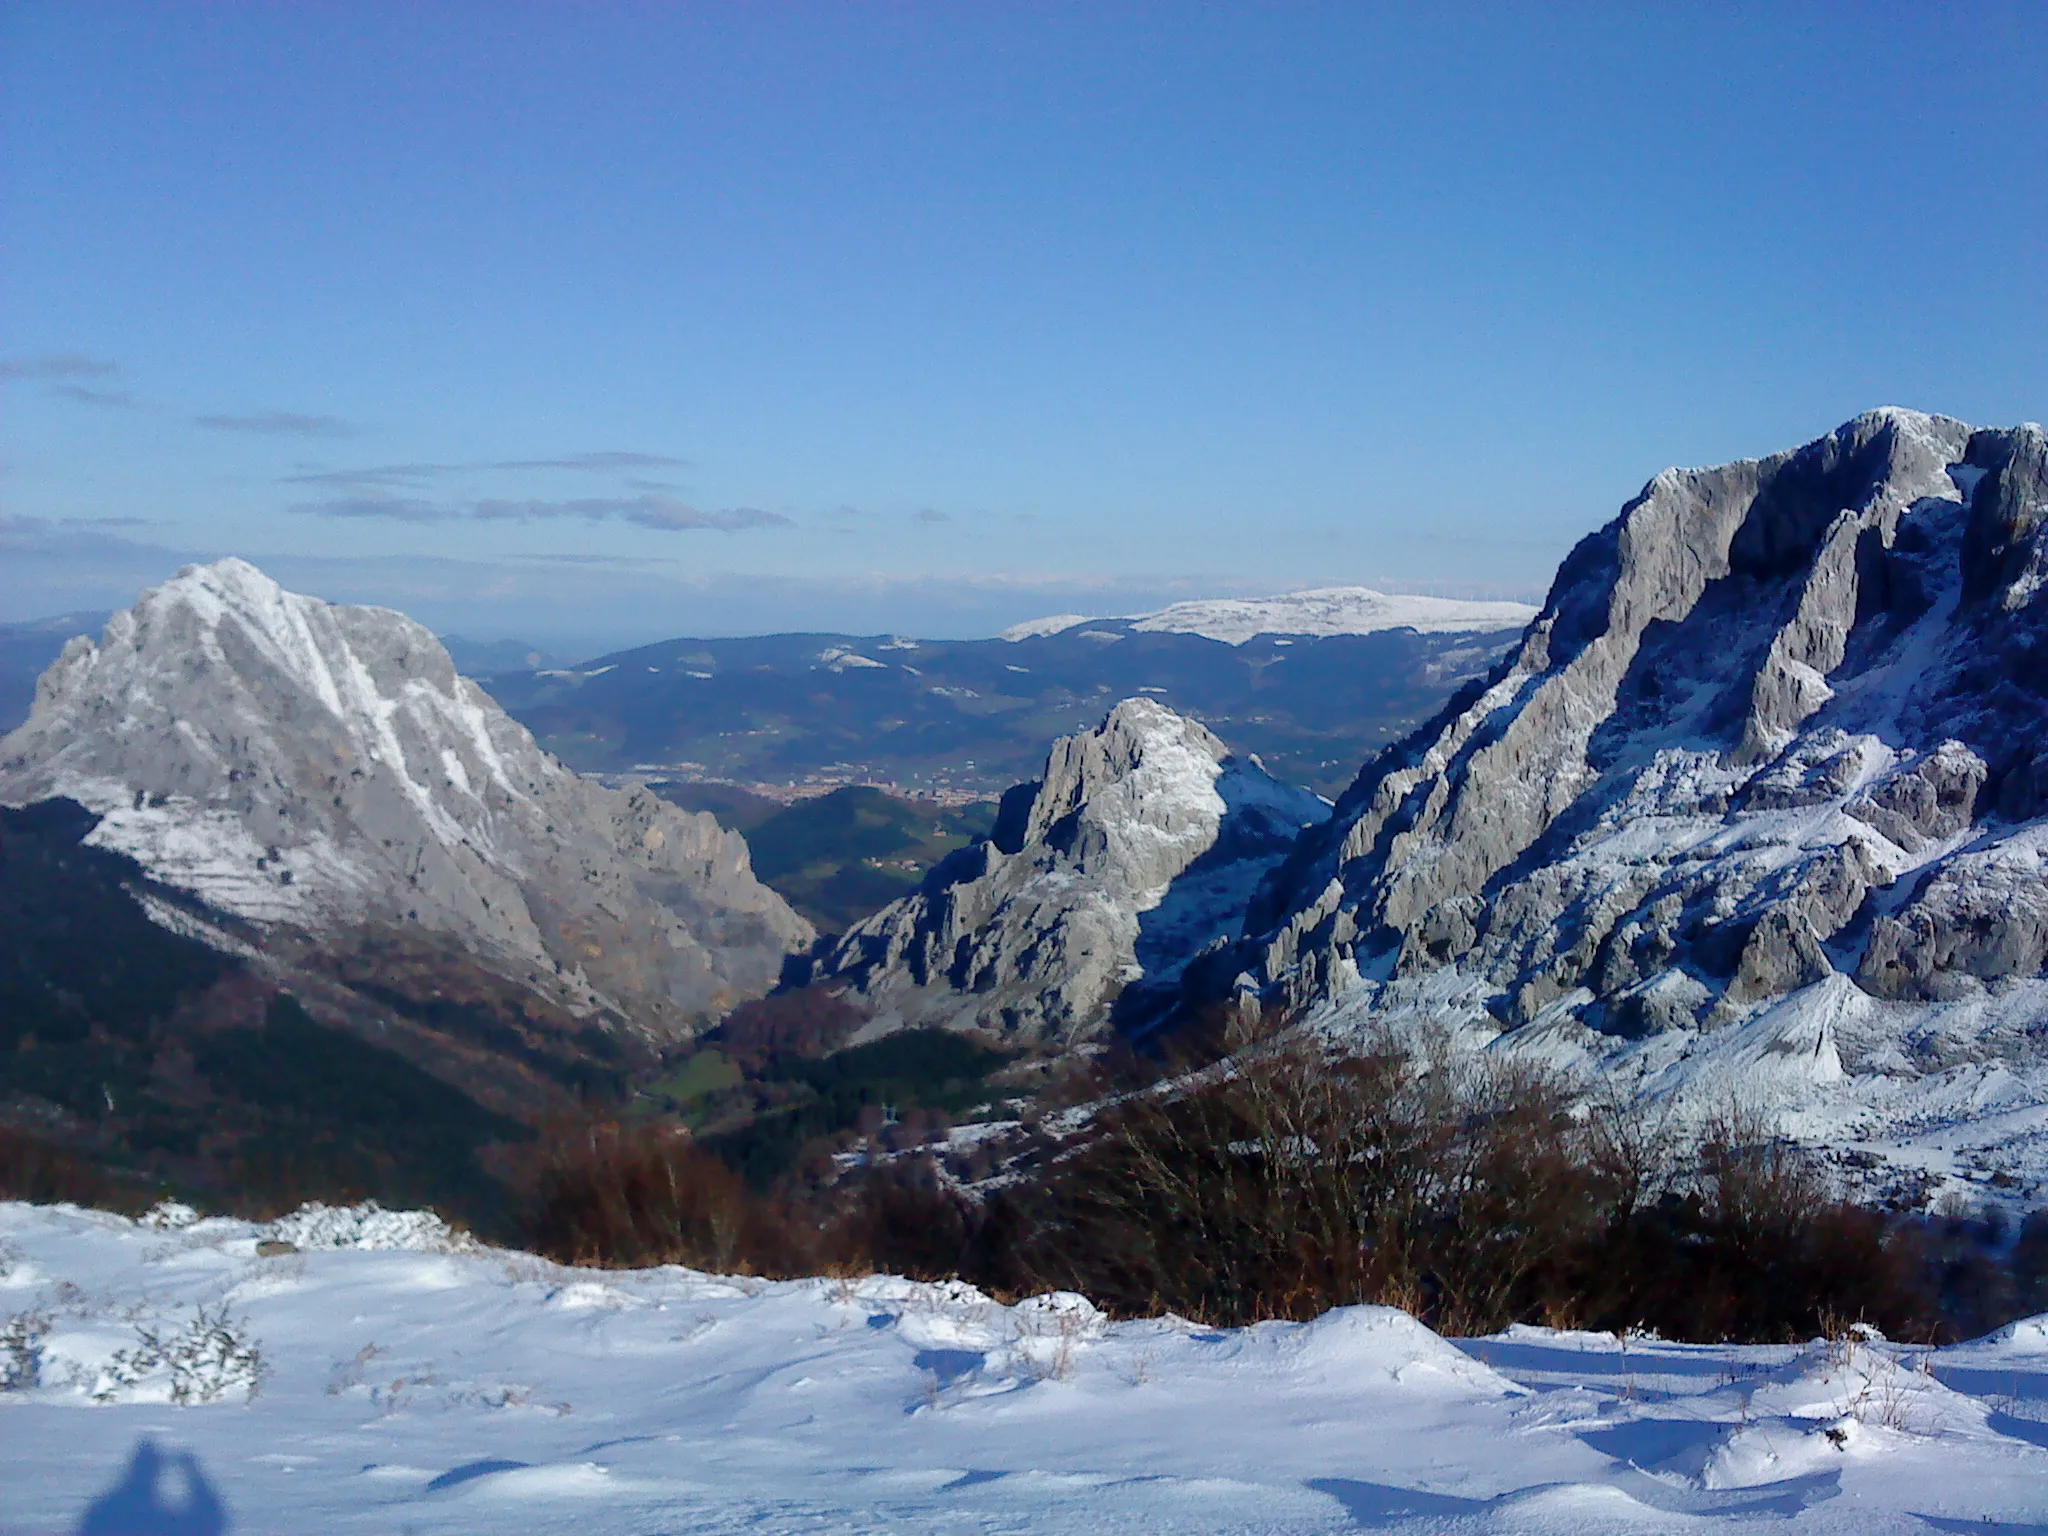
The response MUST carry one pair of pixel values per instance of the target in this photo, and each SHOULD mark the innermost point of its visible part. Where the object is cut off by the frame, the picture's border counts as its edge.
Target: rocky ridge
(1765, 780)
(319, 769)
(1136, 849)
(1318, 611)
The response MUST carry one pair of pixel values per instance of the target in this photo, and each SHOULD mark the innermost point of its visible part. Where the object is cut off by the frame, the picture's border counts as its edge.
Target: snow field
(418, 1382)
(1320, 611)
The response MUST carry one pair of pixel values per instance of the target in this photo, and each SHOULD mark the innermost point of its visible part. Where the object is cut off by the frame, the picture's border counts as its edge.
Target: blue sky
(594, 323)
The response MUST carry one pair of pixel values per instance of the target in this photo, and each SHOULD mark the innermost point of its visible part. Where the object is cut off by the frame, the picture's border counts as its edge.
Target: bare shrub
(35, 1170)
(620, 1194)
(1471, 1191)
(1291, 1179)
(2030, 1264)
(903, 1218)
(1748, 1240)
(1520, 1198)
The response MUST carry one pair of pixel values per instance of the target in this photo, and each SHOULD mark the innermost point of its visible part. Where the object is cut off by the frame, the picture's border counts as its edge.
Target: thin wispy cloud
(621, 562)
(278, 424)
(680, 516)
(375, 475)
(397, 509)
(57, 365)
(600, 463)
(60, 373)
(85, 394)
(594, 463)
(664, 513)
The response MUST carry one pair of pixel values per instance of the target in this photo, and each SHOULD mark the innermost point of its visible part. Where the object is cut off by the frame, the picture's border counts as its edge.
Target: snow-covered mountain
(1322, 611)
(320, 769)
(1139, 846)
(1759, 806)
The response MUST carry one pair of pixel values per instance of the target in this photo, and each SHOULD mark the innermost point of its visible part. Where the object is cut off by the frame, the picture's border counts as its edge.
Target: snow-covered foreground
(438, 1388)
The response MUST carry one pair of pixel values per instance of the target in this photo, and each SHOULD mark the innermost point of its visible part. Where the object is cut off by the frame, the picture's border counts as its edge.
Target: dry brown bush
(1292, 1178)
(1287, 1178)
(608, 1193)
(1472, 1192)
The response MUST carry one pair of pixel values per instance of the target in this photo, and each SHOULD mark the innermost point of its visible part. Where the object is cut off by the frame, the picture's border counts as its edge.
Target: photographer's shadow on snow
(160, 1494)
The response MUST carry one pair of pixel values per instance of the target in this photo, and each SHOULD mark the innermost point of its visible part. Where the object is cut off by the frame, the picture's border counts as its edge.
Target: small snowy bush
(369, 1226)
(169, 1216)
(1049, 1328)
(212, 1357)
(21, 1351)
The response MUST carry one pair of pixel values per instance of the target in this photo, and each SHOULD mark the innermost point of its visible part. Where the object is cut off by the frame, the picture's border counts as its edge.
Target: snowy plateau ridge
(1756, 809)
(318, 769)
(413, 1383)
(1320, 611)
(1138, 847)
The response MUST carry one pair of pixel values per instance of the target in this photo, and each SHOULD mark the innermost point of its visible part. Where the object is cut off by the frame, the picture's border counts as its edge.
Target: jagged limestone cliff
(1135, 851)
(316, 768)
(1764, 783)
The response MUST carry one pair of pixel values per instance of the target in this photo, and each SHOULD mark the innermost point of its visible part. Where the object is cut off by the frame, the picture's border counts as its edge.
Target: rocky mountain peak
(1144, 777)
(1137, 847)
(322, 768)
(1778, 727)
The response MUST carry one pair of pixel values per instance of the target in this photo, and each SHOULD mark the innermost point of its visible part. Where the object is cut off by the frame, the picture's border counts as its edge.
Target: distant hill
(977, 715)
(477, 658)
(1318, 611)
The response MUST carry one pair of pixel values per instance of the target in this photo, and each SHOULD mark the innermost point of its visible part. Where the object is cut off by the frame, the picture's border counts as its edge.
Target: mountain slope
(134, 1056)
(323, 770)
(1137, 847)
(1757, 802)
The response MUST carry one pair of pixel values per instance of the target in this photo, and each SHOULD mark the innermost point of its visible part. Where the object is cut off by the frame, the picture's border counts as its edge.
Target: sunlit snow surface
(447, 1388)
(1322, 611)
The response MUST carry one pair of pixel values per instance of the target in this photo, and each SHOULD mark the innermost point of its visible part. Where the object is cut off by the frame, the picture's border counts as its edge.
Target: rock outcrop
(314, 768)
(1137, 849)
(1779, 722)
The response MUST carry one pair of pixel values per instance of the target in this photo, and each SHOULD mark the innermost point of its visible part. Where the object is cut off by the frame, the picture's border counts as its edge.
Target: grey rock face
(1778, 722)
(317, 767)
(1138, 847)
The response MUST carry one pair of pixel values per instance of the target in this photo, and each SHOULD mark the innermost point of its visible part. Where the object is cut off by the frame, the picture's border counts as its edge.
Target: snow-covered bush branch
(205, 1361)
